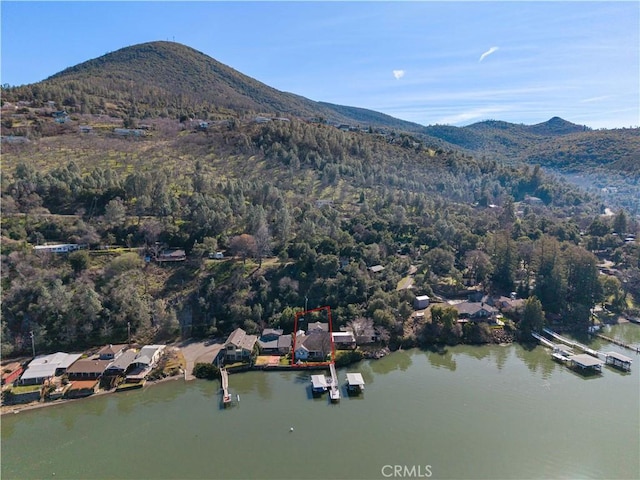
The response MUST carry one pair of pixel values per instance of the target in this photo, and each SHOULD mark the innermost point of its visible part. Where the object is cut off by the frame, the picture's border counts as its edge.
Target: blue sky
(428, 62)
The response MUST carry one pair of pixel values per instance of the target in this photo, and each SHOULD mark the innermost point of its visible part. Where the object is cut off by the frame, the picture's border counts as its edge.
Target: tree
(479, 265)
(79, 260)
(620, 223)
(532, 317)
(440, 261)
(244, 246)
(263, 242)
(115, 212)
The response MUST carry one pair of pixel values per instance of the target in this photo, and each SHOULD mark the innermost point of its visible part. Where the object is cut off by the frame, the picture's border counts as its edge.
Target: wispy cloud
(398, 74)
(487, 53)
(474, 114)
(595, 99)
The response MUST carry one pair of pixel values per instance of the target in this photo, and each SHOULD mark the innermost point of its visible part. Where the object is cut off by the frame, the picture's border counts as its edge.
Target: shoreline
(15, 409)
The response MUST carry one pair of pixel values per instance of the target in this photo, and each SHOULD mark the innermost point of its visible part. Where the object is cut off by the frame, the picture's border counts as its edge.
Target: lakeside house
(111, 352)
(476, 312)
(45, 367)
(87, 368)
(314, 346)
(239, 346)
(344, 340)
(273, 341)
(143, 363)
(11, 372)
(120, 365)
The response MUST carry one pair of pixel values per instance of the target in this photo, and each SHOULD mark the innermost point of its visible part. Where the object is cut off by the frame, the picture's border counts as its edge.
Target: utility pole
(129, 332)
(33, 343)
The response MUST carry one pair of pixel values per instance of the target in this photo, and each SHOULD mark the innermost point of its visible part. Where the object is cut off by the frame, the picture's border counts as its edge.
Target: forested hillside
(300, 210)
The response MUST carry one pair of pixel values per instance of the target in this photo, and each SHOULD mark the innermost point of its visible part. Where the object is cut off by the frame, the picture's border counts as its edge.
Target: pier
(571, 343)
(543, 340)
(618, 342)
(334, 389)
(226, 397)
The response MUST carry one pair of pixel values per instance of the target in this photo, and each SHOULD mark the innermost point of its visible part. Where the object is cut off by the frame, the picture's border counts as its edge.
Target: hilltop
(167, 79)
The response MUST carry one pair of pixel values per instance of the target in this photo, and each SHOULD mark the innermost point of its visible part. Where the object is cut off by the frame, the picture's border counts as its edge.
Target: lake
(468, 412)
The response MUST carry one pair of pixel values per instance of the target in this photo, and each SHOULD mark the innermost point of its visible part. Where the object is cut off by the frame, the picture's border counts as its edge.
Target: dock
(543, 340)
(334, 389)
(355, 383)
(618, 342)
(618, 360)
(571, 343)
(226, 397)
(586, 363)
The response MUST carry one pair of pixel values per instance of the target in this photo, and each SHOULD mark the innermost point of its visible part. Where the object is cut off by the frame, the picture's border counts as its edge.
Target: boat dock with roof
(355, 383)
(618, 360)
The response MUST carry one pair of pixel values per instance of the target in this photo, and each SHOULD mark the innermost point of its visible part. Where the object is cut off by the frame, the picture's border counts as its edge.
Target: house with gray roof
(239, 345)
(88, 369)
(476, 311)
(45, 367)
(121, 364)
(313, 347)
(111, 352)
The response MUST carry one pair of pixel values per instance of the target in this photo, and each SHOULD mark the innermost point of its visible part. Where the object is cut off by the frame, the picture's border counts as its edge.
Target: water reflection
(400, 360)
(441, 357)
(537, 359)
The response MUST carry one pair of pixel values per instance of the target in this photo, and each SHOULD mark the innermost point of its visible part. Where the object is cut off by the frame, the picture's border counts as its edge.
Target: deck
(224, 376)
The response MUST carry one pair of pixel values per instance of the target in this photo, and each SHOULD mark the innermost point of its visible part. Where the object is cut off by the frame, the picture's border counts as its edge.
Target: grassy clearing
(20, 389)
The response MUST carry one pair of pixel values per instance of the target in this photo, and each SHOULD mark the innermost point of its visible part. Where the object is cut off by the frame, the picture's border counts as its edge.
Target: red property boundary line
(295, 330)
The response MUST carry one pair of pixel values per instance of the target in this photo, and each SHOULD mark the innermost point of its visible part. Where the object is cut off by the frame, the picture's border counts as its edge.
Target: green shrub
(207, 371)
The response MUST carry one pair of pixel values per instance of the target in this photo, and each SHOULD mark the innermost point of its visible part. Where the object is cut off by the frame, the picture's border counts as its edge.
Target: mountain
(169, 79)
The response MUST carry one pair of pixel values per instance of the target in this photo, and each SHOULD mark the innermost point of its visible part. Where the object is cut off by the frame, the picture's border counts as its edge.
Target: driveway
(199, 351)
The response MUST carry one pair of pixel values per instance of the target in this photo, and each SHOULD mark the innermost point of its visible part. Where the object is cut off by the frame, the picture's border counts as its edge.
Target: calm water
(488, 412)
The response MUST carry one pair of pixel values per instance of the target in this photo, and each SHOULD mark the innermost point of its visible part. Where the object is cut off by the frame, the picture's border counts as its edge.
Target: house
(148, 356)
(171, 256)
(284, 344)
(421, 302)
(59, 248)
(317, 327)
(88, 369)
(268, 341)
(45, 367)
(11, 372)
(476, 311)
(313, 347)
(111, 352)
(86, 129)
(120, 365)
(364, 334)
(239, 345)
(504, 303)
(82, 388)
(376, 268)
(216, 255)
(344, 340)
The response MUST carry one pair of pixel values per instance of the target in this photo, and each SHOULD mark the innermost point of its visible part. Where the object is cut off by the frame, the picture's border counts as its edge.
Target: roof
(585, 360)
(343, 337)
(149, 351)
(284, 341)
(46, 365)
(272, 331)
(123, 361)
(422, 298)
(240, 339)
(472, 308)
(319, 381)
(111, 349)
(316, 342)
(318, 326)
(355, 379)
(376, 268)
(619, 357)
(89, 366)
(83, 384)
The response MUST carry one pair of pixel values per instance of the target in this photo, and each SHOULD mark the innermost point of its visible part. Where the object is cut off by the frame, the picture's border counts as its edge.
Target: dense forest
(301, 210)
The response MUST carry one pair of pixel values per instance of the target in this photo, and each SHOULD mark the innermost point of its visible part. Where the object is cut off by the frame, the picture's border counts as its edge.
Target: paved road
(199, 351)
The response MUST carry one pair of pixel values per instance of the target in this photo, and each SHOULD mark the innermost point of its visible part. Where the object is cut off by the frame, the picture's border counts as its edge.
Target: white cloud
(487, 53)
(398, 74)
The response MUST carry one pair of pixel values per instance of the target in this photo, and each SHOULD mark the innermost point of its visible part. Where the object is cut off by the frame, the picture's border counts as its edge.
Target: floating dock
(319, 384)
(618, 342)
